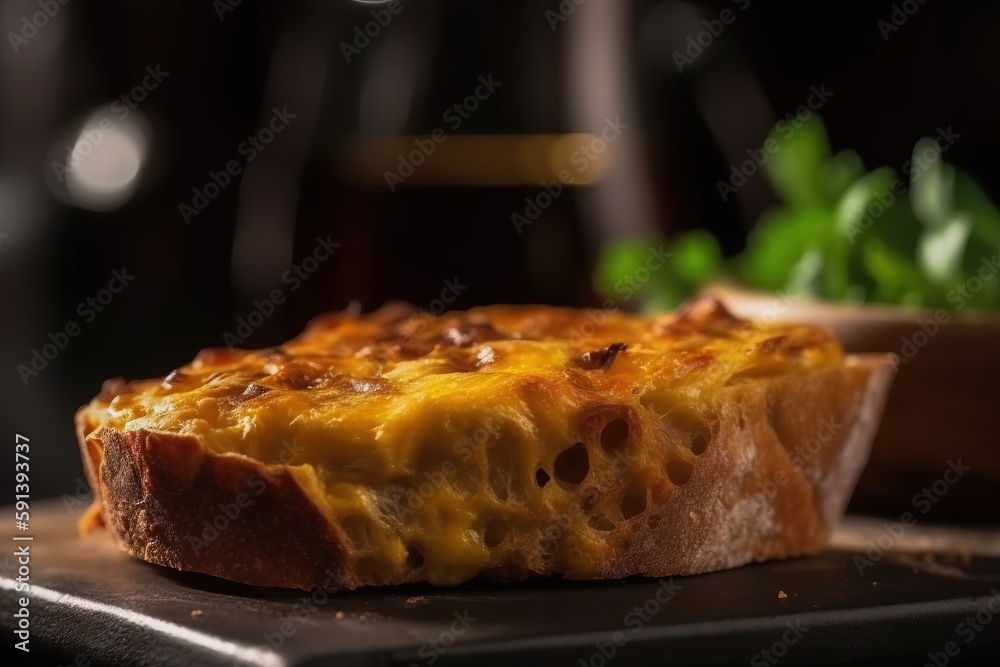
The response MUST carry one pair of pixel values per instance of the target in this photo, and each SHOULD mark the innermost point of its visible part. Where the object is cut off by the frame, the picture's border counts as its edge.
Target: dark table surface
(91, 604)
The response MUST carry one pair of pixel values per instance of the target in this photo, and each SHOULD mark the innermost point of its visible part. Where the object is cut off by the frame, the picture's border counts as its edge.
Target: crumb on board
(359, 615)
(195, 613)
(782, 595)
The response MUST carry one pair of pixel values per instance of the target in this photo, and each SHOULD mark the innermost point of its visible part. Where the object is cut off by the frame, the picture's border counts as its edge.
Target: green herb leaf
(779, 240)
(931, 185)
(807, 275)
(865, 201)
(969, 196)
(696, 257)
(795, 169)
(837, 173)
(897, 279)
(941, 248)
(634, 268)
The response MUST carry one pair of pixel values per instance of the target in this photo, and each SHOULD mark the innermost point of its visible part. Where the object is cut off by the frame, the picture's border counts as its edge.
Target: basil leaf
(931, 185)
(795, 167)
(941, 248)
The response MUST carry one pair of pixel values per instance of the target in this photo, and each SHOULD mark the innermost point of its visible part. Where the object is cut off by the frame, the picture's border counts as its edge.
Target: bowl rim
(759, 301)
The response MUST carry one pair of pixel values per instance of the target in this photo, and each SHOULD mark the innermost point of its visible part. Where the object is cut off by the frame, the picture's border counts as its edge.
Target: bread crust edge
(161, 494)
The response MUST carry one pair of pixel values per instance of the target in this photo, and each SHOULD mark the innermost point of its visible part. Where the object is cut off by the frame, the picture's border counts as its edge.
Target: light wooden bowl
(944, 404)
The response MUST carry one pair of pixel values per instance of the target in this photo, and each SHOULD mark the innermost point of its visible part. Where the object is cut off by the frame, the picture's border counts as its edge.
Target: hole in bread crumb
(699, 443)
(661, 491)
(601, 522)
(495, 533)
(614, 436)
(541, 478)
(634, 500)
(572, 465)
(679, 472)
(414, 557)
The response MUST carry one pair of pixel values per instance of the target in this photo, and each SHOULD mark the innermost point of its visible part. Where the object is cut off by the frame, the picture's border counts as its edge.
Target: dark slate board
(89, 600)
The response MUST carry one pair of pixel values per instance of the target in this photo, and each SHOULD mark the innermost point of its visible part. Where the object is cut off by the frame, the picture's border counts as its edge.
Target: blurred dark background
(221, 72)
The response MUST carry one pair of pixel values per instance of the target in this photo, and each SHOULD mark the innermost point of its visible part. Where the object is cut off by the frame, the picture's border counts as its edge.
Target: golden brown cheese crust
(503, 441)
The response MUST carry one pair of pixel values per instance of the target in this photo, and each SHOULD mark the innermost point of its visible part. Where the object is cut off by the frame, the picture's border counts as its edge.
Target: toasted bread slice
(503, 441)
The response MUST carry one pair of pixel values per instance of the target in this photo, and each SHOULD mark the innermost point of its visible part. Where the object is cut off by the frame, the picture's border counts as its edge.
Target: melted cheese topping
(506, 439)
